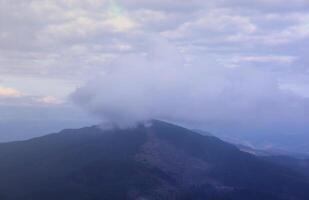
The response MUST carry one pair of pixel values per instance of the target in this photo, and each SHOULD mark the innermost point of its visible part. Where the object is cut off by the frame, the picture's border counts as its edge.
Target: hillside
(161, 161)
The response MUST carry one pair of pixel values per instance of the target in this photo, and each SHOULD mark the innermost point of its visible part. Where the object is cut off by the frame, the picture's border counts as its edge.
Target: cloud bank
(159, 84)
(239, 60)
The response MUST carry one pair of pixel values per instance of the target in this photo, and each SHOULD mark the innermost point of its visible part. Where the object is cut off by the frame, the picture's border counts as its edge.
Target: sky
(194, 62)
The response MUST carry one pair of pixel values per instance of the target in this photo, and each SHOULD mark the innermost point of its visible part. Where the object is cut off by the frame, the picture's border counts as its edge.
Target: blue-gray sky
(195, 61)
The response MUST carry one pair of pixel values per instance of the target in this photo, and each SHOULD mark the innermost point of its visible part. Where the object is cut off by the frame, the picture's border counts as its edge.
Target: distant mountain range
(153, 162)
(281, 140)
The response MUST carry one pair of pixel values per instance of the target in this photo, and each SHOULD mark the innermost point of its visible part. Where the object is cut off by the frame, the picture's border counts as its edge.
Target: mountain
(295, 145)
(297, 164)
(157, 161)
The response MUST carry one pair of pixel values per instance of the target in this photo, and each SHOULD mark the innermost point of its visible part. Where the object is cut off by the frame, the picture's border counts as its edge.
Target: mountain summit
(159, 161)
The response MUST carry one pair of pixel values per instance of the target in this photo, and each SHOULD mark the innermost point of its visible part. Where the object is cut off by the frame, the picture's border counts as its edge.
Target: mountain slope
(161, 161)
(297, 164)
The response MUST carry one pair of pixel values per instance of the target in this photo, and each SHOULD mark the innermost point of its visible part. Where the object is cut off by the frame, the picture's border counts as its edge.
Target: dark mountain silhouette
(159, 161)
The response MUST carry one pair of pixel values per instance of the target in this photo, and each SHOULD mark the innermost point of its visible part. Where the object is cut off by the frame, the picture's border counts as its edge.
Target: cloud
(50, 100)
(264, 41)
(11, 96)
(214, 22)
(9, 92)
(160, 85)
(281, 59)
(67, 39)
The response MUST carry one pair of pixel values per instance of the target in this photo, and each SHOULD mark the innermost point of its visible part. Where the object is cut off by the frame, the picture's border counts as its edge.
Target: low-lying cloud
(159, 84)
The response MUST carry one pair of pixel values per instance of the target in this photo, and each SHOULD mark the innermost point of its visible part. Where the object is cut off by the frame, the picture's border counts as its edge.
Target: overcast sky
(256, 50)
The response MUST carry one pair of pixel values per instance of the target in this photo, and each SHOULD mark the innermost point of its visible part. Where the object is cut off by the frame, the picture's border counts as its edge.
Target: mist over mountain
(153, 161)
(159, 84)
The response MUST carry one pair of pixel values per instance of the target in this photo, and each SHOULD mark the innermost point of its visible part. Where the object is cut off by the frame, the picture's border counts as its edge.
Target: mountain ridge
(161, 161)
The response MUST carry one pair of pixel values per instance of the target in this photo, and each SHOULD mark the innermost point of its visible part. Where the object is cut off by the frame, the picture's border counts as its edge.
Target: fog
(161, 84)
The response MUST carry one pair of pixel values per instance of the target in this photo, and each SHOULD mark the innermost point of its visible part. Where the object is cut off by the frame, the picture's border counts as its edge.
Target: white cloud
(12, 96)
(38, 37)
(217, 23)
(71, 40)
(9, 92)
(49, 100)
(159, 85)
